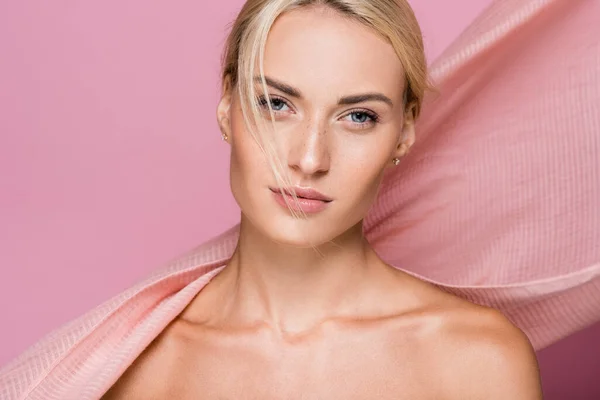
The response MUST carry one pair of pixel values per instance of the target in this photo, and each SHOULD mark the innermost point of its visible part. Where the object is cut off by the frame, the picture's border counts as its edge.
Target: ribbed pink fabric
(498, 203)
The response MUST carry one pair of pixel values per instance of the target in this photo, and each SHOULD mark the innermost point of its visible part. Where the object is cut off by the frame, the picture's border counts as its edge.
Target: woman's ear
(224, 111)
(407, 139)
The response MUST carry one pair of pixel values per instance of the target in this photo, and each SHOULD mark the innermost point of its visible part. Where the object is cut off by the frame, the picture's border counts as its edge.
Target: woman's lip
(305, 193)
(308, 206)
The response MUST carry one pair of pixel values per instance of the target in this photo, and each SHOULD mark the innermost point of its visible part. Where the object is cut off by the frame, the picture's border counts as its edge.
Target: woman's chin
(298, 236)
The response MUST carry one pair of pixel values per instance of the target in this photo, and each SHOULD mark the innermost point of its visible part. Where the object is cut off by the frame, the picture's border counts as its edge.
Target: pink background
(112, 164)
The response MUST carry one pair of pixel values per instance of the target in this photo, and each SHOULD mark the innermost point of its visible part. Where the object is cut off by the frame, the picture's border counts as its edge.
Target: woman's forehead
(317, 51)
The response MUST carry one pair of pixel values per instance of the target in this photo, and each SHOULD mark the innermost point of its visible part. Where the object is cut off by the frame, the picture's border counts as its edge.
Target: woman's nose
(309, 149)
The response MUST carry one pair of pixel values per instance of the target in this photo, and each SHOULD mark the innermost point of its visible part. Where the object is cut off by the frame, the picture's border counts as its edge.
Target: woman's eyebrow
(283, 87)
(346, 100)
(359, 98)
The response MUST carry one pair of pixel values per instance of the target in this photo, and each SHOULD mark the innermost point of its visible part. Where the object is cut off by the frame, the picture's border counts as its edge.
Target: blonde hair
(244, 51)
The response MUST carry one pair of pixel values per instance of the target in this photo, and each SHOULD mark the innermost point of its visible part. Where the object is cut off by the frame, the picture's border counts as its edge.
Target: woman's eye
(362, 118)
(276, 104)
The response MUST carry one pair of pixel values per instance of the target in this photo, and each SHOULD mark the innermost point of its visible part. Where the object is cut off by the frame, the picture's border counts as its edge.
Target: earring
(224, 136)
(396, 161)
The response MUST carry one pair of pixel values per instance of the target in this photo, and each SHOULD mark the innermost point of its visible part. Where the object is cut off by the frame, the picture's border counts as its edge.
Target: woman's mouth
(309, 201)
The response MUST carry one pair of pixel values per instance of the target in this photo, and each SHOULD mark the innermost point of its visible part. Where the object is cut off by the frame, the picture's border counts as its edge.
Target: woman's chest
(242, 379)
(363, 370)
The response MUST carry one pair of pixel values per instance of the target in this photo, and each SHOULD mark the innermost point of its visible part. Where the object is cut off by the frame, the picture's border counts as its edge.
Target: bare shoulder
(468, 351)
(145, 378)
(490, 357)
(480, 354)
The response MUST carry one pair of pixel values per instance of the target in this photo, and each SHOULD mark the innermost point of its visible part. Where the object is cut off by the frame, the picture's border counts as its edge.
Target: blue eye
(277, 104)
(360, 117)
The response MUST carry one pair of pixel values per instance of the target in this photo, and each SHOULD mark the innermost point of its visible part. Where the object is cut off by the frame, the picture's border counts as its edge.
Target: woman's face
(336, 89)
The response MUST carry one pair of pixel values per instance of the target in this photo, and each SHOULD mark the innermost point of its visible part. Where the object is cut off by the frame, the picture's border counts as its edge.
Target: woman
(297, 302)
(305, 308)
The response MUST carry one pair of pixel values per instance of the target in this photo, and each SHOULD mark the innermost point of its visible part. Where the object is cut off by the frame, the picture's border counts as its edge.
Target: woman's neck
(293, 289)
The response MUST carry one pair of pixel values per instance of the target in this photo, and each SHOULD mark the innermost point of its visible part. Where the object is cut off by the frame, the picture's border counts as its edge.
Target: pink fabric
(497, 203)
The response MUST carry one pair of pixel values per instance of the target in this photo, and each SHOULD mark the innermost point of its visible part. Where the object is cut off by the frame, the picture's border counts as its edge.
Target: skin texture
(283, 321)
